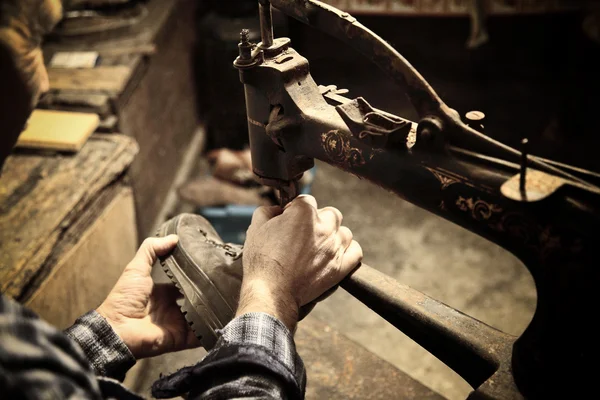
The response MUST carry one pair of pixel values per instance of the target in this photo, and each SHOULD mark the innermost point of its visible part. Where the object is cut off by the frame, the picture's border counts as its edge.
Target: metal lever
(473, 349)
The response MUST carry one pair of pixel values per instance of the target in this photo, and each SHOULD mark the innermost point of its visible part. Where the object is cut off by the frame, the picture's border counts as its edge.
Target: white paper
(74, 59)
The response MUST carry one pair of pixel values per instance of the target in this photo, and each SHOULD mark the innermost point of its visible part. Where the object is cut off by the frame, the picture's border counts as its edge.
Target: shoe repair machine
(544, 212)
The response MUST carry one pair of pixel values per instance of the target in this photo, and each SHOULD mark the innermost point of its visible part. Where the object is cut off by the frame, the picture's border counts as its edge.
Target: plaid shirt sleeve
(255, 357)
(103, 348)
(37, 361)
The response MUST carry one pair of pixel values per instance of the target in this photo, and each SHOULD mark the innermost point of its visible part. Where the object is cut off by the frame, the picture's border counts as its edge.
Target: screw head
(475, 116)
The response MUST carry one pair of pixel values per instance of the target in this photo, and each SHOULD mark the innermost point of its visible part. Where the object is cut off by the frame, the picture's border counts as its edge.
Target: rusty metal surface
(471, 348)
(442, 165)
(340, 369)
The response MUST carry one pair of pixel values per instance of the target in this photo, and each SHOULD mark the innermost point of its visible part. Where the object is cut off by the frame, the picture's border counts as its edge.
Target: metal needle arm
(266, 23)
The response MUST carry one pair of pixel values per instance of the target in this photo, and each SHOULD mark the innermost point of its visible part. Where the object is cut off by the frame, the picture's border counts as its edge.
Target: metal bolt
(245, 47)
(475, 116)
(524, 151)
(428, 128)
(245, 36)
(475, 120)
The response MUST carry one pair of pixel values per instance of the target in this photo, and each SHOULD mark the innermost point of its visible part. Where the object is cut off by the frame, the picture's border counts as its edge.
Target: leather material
(220, 262)
(206, 271)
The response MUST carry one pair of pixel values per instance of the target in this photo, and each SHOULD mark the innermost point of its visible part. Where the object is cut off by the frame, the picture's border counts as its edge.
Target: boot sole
(204, 323)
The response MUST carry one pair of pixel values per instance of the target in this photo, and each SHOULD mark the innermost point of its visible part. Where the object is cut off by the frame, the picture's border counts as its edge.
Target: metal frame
(545, 213)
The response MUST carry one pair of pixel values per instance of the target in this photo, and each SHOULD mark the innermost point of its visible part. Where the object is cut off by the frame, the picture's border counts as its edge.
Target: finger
(154, 247)
(302, 200)
(345, 236)
(263, 214)
(331, 217)
(351, 258)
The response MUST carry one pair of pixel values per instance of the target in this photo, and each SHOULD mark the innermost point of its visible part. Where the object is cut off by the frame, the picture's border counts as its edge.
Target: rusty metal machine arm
(545, 213)
(426, 102)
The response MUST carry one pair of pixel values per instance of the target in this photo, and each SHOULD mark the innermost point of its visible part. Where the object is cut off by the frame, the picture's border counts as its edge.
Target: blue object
(232, 221)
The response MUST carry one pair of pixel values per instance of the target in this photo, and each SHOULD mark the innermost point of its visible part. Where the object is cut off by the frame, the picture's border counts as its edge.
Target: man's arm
(106, 352)
(291, 258)
(138, 319)
(255, 357)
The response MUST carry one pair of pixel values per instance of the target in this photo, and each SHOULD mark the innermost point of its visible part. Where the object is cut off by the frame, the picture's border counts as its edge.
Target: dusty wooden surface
(161, 115)
(89, 259)
(109, 79)
(156, 105)
(124, 54)
(42, 195)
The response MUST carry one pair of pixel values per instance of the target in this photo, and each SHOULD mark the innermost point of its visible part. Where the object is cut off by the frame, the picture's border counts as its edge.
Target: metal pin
(524, 151)
(266, 23)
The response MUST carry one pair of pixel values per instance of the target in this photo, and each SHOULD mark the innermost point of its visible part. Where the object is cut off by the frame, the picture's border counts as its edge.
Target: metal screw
(244, 47)
(475, 115)
(524, 151)
(245, 36)
(475, 120)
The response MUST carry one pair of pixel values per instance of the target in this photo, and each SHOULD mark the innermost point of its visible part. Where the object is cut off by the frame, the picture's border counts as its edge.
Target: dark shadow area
(535, 78)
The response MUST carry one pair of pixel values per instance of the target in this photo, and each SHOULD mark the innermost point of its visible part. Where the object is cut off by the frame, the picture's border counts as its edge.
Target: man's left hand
(144, 314)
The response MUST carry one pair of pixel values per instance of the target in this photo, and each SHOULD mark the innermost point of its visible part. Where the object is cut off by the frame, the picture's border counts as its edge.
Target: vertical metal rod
(524, 151)
(266, 23)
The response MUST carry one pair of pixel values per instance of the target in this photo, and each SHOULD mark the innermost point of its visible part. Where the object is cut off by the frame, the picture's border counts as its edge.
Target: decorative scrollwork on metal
(540, 239)
(337, 147)
(480, 210)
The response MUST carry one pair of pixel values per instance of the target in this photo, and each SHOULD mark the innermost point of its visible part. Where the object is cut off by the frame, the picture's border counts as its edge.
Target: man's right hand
(294, 255)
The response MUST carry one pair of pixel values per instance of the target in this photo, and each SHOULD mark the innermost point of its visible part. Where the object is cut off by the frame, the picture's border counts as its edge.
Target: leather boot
(209, 274)
(206, 271)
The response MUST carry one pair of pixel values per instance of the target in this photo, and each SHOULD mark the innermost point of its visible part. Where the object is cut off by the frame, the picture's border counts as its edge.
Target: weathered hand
(293, 256)
(145, 315)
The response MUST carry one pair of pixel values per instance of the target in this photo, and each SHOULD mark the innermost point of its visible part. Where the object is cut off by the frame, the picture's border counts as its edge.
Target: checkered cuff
(266, 331)
(104, 349)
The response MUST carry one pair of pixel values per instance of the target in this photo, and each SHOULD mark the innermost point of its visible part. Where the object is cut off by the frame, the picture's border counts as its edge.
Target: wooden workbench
(142, 87)
(67, 226)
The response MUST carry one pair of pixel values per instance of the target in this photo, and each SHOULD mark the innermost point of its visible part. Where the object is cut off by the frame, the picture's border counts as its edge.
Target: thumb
(154, 247)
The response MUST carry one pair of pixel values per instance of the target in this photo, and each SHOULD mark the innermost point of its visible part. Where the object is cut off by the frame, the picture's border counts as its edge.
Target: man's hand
(293, 256)
(146, 316)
